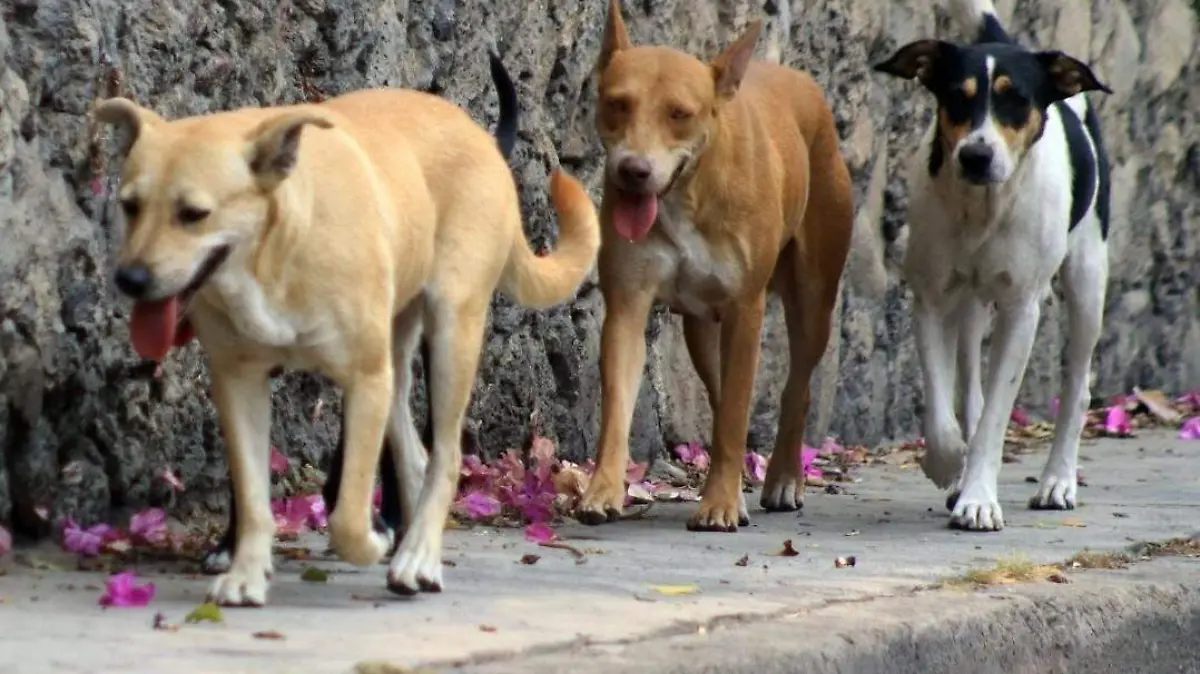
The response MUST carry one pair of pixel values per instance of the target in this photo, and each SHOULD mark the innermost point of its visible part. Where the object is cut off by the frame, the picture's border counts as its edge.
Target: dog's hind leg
(455, 333)
(407, 449)
(808, 303)
(1085, 278)
(242, 395)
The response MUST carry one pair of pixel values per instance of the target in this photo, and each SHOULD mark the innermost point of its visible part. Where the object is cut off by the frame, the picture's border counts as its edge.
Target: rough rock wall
(85, 428)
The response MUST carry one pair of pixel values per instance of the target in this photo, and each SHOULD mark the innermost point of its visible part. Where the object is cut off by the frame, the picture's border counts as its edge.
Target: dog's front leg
(367, 405)
(243, 399)
(622, 357)
(936, 334)
(978, 508)
(722, 504)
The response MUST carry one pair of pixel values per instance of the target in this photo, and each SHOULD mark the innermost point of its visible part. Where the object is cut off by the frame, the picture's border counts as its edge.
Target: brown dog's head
(657, 109)
(192, 191)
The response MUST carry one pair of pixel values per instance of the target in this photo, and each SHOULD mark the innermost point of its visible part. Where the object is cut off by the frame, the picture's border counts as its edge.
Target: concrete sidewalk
(771, 613)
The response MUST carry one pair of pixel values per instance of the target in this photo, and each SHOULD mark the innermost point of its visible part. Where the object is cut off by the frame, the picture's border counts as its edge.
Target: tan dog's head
(658, 107)
(192, 191)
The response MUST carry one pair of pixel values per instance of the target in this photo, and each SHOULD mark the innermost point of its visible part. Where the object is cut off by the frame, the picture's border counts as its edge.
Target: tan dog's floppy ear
(616, 37)
(916, 60)
(730, 67)
(1069, 75)
(128, 116)
(275, 146)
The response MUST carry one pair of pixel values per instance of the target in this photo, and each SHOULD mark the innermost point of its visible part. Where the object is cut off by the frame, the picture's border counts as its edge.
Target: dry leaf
(530, 559)
(269, 634)
(314, 575)
(487, 628)
(1158, 404)
(676, 590)
(571, 481)
(1074, 523)
(788, 550)
(744, 561)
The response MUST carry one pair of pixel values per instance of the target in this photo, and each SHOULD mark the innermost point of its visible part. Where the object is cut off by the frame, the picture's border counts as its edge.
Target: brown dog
(722, 180)
(397, 214)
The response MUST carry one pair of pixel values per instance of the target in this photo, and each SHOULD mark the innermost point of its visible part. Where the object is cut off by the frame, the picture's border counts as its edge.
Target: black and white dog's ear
(916, 60)
(1069, 75)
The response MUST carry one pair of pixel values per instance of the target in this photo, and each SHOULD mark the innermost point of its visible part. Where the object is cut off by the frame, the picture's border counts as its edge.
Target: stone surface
(771, 614)
(71, 389)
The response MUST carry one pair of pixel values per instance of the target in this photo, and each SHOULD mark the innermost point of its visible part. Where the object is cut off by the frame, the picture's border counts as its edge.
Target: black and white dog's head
(992, 99)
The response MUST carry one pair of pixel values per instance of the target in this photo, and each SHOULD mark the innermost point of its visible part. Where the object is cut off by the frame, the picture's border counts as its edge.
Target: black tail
(506, 128)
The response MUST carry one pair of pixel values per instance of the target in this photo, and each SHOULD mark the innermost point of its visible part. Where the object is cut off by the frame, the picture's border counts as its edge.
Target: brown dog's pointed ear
(730, 67)
(128, 116)
(275, 146)
(1069, 75)
(616, 37)
(916, 60)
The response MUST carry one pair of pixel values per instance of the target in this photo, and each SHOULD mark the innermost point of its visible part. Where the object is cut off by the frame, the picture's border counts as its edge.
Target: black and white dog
(1011, 186)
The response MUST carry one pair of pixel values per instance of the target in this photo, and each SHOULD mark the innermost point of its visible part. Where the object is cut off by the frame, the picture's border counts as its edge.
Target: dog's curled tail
(541, 282)
(978, 19)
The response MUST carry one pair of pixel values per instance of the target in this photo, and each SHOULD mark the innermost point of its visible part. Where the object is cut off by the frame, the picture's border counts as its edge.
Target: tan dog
(396, 214)
(722, 180)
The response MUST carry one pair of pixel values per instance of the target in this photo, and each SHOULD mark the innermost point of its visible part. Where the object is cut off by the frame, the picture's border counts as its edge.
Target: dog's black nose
(134, 280)
(635, 171)
(976, 159)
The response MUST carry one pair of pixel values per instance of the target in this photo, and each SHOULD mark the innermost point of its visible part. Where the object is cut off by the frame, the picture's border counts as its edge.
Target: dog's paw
(719, 515)
(216, 561)
(417, 566)
(1057, 491)
(603, 502)
(245, 584)
(358, 546)
(783, 494)
(943, 460)
(977, 510)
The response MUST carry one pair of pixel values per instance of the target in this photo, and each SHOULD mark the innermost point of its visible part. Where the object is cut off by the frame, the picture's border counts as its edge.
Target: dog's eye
(131, 208)
(680, 114)
(190, 215)
(616, 106)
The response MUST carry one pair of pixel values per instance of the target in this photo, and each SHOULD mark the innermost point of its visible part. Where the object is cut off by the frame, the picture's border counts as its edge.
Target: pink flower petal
(1020, 418)
(86, 542)
(635, 472)
(122, 590)
(279, 462)
(171, 478)
(539, 533)
(808, 457)
(1054, 408)
(756, 467)
(542, 450)
(694, 454)
(314, 507)
(5, 542)
(831, 446)
(478, 505)
(1117, 422)
(150, 525)
(1190, 429)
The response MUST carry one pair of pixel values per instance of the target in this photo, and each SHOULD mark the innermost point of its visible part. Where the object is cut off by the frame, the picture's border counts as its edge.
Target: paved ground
(772, 614)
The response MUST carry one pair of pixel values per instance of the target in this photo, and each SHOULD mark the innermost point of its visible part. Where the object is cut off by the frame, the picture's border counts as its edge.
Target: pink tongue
(634, 214)
(153, 327)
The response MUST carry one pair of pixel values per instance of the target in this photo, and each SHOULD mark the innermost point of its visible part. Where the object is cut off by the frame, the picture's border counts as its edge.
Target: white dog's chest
(692, 279)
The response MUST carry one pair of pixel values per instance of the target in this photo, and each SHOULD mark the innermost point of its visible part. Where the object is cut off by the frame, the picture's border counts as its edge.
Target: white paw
(743, 511)
(417, 566)
(245, 584)
(215, 562)
(1057, 491)
(783, 495)
(943, 459)
(977, 510)
(356, 546)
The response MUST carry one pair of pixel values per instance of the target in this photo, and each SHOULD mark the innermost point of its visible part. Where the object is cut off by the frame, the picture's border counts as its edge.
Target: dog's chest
(693, 275)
